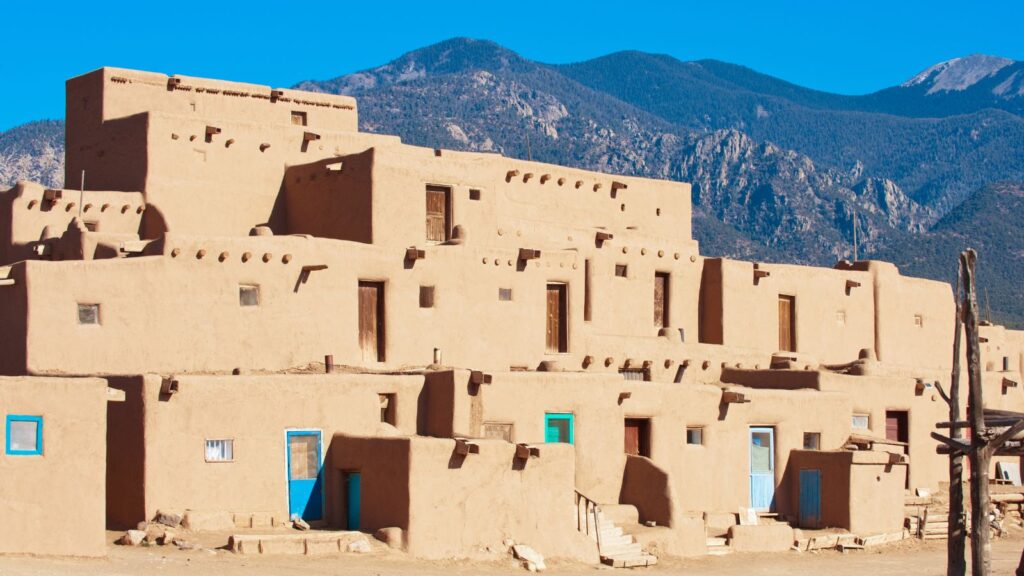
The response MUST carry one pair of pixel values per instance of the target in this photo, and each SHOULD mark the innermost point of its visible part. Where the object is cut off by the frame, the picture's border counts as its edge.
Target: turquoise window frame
(550, 416)
(39, 435)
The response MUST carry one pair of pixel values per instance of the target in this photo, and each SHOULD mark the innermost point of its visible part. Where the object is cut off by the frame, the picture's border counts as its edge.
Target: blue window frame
(23, 435)
(558, 428)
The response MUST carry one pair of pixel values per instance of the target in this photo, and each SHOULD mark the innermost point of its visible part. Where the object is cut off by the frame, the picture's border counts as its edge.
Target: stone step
(621, 549)
(303, 543)
(714, 542)
(635, 561)
(610, 531)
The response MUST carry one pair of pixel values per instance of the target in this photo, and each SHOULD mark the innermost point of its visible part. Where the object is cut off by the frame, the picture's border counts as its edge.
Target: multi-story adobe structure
(511, 341)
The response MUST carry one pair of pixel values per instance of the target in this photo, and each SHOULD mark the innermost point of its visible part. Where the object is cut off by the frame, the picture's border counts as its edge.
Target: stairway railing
(588, 519)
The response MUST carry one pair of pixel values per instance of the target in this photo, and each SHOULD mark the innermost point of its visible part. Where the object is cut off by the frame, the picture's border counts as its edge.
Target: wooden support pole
(980, 455)
(956, 563)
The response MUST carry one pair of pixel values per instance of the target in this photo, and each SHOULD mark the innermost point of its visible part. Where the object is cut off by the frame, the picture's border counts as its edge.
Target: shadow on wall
(647, 487)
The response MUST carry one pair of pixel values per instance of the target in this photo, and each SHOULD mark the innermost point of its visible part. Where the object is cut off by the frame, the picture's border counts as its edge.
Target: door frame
(771, 461)
(288, 432)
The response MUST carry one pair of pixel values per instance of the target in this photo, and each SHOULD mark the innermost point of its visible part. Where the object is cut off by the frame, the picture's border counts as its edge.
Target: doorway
(353, 485)
(787, 323)
(638, 437)
(762, 467)
(371, 321)
(305, 480)
(557, 329)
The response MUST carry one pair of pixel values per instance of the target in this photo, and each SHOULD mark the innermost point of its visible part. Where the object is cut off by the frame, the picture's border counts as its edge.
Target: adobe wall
(861, 491)
(512, 201)
(710, 477)
(53, 504)
(13, 320)
(262, 409)
(26, 218)
(500, 497)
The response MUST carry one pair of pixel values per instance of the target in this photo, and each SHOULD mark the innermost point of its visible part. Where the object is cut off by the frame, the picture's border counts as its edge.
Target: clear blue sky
(851, 47)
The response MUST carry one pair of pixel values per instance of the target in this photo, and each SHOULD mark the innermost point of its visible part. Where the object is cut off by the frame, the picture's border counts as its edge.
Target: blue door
(353, 492)
(558, 428)
(762, 468)
(305, 480)
(810, 498)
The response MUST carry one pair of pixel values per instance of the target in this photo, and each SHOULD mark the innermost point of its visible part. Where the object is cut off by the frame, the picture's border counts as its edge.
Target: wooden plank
(660, 300)
(557, 328)
(632, 437)
(787, 327)
(371, 321)
(438, 213)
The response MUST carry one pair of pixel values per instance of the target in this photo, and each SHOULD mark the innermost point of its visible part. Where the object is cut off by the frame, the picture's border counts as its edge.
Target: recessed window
(388, 412)
(24, 435)
(860, 422)
(812, 440)
(841, 318)
(249, 295)
(89, 314)
(498, 431)
(298, 118)
(621, 270)
(221, 450)
(695, 436)
(474, 194)
(505, 294)
(918, 320)
(426, 296)
(635, 374)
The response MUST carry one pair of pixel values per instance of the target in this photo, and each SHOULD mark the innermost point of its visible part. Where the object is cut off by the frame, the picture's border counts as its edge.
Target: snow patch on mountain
(959, 73)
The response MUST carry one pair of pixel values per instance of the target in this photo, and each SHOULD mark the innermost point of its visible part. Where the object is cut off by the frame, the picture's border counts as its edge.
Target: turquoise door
(305, 479)
(353, 494)
(810, 498)
(558, 428)
(762, 468)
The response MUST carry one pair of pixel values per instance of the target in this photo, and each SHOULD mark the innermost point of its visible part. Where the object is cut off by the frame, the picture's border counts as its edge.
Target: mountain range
(778, 170)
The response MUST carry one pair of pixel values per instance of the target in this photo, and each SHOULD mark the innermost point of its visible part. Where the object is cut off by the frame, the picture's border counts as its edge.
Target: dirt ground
(909, 558)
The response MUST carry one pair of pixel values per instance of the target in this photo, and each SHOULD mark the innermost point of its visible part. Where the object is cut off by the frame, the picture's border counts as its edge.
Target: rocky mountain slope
(33, 151)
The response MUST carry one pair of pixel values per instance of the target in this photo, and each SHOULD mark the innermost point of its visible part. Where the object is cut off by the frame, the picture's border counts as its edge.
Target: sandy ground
(909, 558)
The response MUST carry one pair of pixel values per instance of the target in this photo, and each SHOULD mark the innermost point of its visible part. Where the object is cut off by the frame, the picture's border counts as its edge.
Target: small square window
(505, 294)
(695, 436)
(621, 270)
(248, 295)
(89, 314)
(860, 422)
(299, 118)
(841, 318)
(918, 320)
(426, 296)
(812, 440)
(474, 194)
(222, 450)
(24, 435)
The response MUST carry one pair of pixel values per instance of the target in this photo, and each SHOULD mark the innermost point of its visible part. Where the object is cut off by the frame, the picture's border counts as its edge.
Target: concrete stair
(718, 546)
(616, 548)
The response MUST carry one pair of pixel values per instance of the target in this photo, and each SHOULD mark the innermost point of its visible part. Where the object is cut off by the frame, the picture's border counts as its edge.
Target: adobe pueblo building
(246, 310)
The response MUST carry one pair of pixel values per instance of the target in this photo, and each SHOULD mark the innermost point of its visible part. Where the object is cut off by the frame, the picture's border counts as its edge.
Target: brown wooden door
(787, 325)
(660, 300)
(557, 329)
(636, 437)
(371, 321)
(438, 214)
(896, 426)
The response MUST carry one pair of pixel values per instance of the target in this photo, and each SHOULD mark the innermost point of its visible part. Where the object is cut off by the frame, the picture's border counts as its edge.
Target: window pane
(220, 450)
(304, 462)
(24, 436)
(694, 436)
(249, 295)
(812, 440)
(88, 313)
(859, 422)
(760, 452)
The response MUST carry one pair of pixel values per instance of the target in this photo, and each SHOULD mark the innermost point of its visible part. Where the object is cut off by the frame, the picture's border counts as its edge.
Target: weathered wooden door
(661, 300)
(371, 321)
(637, 437)
(305, 481)
(557, 328)
(438, 213)
(787, 325)
(896, 426)
(810, 498)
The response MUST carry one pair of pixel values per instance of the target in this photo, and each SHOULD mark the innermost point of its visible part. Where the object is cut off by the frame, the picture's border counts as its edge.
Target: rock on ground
(532, 560)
